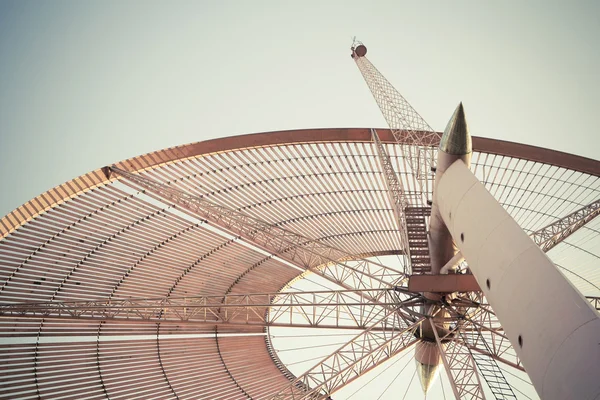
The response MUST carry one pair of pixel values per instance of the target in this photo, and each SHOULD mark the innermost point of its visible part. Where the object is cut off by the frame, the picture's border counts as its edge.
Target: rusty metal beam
(443, 283)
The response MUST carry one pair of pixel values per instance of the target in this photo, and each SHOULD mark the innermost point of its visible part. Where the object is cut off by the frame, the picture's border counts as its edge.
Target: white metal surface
(553, 329)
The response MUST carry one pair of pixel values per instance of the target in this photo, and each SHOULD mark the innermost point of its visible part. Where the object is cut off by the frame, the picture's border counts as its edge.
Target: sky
(86, 84)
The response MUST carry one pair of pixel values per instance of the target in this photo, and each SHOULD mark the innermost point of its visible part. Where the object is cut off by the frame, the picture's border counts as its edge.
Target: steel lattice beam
(459, 363)
(319, 309)
(304, 252)
(486, 364)
(416, 137)
(554, 233)
(490, 331)
(361, 354)
(396, 195)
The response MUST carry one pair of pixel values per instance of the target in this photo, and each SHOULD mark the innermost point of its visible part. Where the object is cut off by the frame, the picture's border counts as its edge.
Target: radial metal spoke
(486, 364)
(459, 283)
(396, 195)
(554, 233)
(459, 363)
(491, 339)
(301, 251)
(319, 309)
(360, 355)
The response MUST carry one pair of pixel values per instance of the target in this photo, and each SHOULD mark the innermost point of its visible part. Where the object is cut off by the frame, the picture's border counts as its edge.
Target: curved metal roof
(97, 238)
(99, 177)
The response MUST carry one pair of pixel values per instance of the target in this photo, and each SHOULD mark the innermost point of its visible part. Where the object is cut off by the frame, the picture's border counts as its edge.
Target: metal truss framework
(361, 354)
(406, 124)
(459, 357)
(551, 235)
(481, 333)
(301, 251)
(490, 339)
(487, 365)
(319, 309)
(476, 338)
(398, 199)
(459, 363)
(476, 343)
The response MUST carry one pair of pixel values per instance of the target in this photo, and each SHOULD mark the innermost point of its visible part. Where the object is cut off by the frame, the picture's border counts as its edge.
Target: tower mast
(406, 124)
(429, 250)
(525, 289)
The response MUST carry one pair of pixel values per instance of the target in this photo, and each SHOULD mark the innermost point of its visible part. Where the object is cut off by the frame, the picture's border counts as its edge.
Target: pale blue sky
(85, 84)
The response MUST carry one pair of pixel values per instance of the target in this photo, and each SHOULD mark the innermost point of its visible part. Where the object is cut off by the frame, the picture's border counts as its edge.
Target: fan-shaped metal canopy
(140, 297)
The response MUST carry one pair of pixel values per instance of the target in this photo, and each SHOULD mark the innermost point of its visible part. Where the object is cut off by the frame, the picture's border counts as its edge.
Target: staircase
(417, 238)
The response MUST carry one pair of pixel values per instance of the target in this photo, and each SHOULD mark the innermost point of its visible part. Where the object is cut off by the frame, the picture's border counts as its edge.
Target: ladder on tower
(494, 377)
(416, 228)
(489, 368)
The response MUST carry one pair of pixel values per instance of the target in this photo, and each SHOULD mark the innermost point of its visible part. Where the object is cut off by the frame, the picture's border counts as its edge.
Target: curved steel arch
(100, 177)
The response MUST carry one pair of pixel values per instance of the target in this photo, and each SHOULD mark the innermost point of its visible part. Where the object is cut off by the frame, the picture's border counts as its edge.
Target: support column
(552, 327)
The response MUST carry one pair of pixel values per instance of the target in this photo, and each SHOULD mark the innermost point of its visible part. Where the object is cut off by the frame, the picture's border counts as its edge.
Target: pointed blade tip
(456, 139)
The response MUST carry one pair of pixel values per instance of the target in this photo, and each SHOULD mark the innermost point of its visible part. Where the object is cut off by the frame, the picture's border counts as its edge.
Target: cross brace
(301, 251)
(361, 354)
